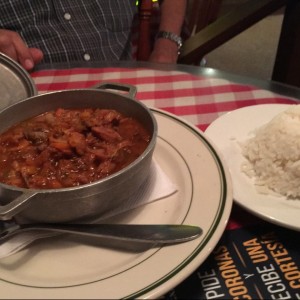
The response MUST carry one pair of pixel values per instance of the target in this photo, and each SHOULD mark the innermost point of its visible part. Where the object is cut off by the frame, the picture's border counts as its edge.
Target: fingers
(23, 55)
(6, 44)
(13, 46)
(36, 54)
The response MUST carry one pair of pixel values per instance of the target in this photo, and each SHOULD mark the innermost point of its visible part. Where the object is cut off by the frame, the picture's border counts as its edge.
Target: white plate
(65, 268)
(236, 126)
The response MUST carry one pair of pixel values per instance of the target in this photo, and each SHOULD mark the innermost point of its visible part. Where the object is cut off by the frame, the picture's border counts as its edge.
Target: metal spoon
(154, 234)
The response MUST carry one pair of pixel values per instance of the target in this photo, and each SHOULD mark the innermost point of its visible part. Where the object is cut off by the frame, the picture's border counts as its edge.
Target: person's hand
(165, 51)
(13, 46)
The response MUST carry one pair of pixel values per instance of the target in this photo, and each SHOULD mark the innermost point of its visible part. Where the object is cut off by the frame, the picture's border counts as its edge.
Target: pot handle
(11, 209)
(121, 87)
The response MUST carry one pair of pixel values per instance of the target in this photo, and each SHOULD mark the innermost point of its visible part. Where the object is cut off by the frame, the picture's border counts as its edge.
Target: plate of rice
(261, 146)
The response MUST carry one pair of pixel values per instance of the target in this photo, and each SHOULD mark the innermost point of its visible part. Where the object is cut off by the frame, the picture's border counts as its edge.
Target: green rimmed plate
(69, 268)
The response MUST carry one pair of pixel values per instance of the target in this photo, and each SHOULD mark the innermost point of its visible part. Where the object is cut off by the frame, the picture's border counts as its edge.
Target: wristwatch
(172, 37)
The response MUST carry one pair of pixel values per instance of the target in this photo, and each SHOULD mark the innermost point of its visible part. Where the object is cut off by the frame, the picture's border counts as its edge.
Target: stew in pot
(69, 147)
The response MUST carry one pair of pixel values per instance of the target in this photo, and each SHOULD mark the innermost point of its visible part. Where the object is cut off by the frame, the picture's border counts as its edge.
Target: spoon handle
(155, 234)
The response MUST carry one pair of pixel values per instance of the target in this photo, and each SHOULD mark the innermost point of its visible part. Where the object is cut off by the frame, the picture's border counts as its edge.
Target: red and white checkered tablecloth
(199, 100)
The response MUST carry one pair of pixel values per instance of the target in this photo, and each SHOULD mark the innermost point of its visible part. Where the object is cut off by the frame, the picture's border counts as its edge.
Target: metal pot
(88, 201)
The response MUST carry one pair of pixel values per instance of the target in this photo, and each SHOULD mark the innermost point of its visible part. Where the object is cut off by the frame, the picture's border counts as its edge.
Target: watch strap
(172, 37)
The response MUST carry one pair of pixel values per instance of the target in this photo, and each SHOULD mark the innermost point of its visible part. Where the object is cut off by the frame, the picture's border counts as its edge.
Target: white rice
(273, 155)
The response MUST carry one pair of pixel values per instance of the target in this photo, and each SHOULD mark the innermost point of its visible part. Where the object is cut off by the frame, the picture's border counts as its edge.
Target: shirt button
(67, 16)
(86, 57)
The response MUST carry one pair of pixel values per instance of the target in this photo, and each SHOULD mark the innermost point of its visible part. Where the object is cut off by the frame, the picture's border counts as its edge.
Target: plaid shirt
(72, 30)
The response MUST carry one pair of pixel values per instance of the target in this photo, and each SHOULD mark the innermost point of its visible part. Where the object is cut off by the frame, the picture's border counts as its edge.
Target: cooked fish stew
(69, 147)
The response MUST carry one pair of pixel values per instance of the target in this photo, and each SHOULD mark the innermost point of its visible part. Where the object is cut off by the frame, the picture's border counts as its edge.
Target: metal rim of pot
(16, 206)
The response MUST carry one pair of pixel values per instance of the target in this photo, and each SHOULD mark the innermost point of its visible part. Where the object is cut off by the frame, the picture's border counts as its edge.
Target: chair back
(225, 27)
(144, 32)
(200, 13)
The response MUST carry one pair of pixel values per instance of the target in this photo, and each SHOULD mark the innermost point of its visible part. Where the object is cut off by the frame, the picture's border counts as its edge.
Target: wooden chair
(287, 61)
(201, 13)
(144, 39)
(226, 27)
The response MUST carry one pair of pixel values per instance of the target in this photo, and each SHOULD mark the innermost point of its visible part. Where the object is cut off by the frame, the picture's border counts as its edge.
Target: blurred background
(251, 53)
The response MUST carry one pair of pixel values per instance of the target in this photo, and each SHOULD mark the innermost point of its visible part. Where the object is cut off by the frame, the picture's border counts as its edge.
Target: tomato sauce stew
(69, 147)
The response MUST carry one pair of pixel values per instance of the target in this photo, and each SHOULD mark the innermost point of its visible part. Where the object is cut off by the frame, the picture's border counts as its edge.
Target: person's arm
(13, 46)
(172, 18)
